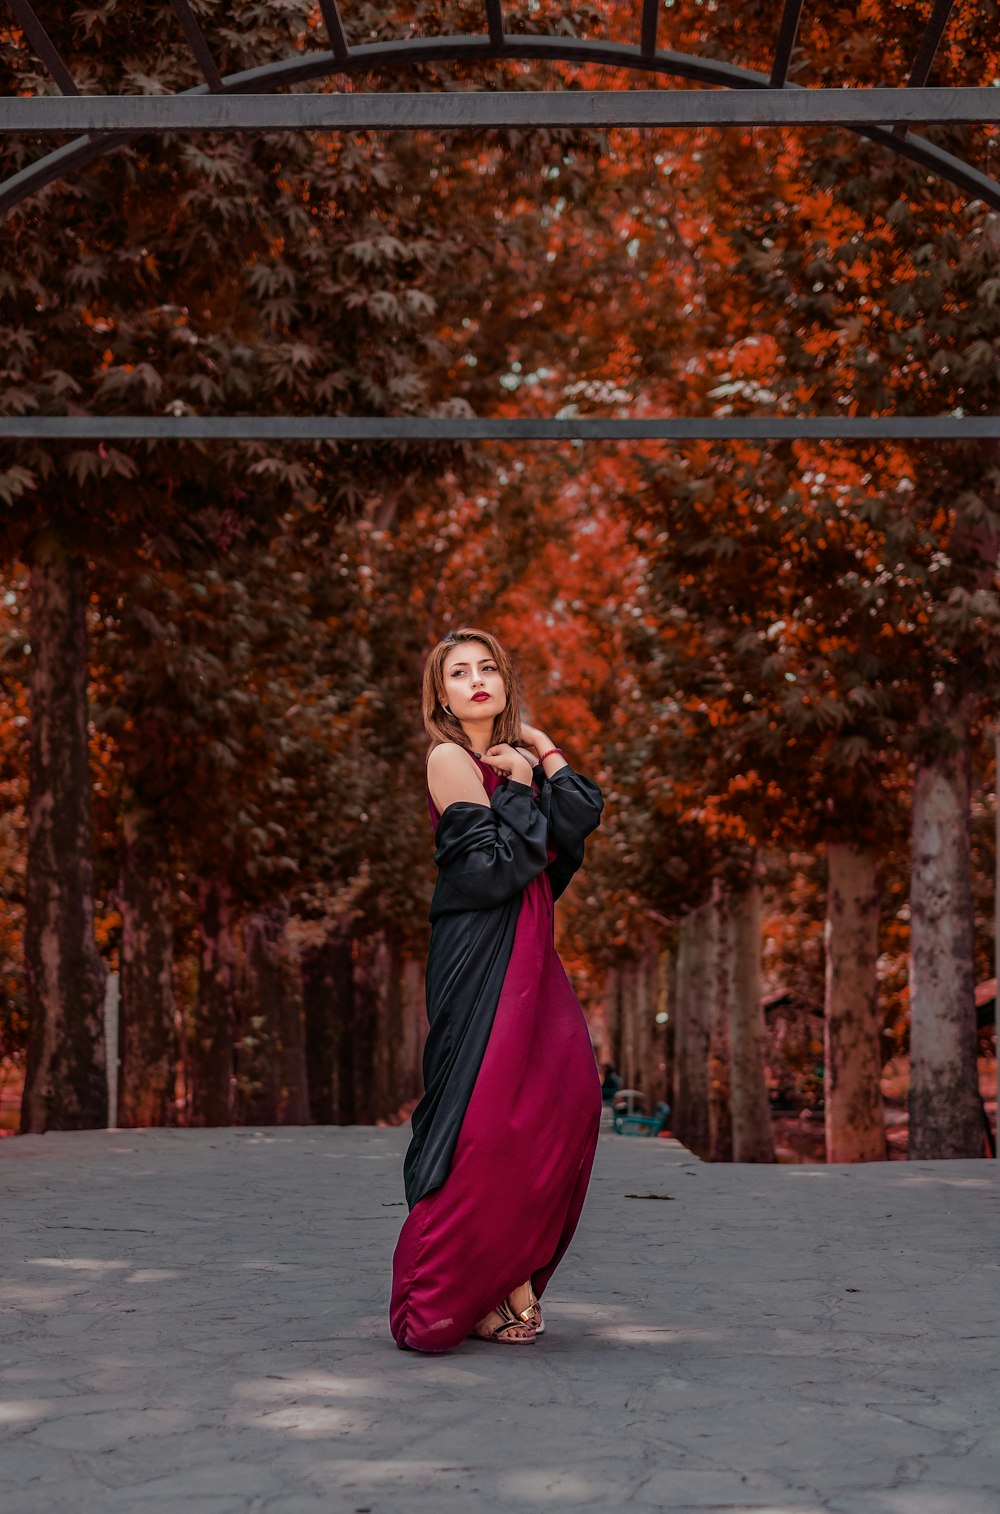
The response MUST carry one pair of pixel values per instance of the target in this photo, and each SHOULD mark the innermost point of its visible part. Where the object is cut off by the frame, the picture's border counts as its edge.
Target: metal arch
(498, 45)
(927, 51)
(787, 33)
(335, 29)
(495, 22)
(195, 39)
(469, 48)
(648, 27)
(43, 45)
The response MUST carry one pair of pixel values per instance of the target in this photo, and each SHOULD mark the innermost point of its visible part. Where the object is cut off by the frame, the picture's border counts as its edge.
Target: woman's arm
(488, 850)
(572, 805)
(538, 742)
(453, 777)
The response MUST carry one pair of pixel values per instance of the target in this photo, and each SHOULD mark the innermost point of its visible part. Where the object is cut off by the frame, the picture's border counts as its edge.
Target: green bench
(625, 1123)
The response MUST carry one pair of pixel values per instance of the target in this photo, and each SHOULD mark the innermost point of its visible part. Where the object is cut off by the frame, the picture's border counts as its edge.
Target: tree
(923, 335)
(65, 1085)
(189, 278)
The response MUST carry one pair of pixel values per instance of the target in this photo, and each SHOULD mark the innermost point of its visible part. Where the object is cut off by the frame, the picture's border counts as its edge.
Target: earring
(448, 708)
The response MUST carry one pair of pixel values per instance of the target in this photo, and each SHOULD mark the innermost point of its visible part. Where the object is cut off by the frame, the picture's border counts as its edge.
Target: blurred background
(780, 661)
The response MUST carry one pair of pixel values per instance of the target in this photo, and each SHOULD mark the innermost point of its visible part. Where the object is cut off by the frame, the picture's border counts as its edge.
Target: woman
(504, 1138)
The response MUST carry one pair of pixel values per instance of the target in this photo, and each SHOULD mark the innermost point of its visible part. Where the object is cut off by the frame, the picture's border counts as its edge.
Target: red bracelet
(550, 751)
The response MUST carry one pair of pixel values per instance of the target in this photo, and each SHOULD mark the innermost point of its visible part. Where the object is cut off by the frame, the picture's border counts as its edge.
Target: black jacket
(486, 857)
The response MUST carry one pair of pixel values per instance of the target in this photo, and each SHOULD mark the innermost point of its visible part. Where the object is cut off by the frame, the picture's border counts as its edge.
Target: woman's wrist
(548, 756)
(551, 758)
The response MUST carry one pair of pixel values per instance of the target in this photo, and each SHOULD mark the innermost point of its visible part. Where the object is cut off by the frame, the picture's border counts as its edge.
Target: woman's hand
(509, 763)
(533, 737)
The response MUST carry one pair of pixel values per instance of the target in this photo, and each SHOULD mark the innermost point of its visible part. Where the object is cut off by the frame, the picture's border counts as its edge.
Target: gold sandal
(532, 1313)
(508, 1321)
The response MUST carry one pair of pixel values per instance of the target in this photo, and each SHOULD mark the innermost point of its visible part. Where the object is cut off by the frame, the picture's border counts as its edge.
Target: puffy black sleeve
(572, 805)
(487, 855)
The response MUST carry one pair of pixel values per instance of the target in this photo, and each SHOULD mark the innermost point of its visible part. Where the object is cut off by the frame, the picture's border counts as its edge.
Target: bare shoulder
(448, 757)
(452, 775)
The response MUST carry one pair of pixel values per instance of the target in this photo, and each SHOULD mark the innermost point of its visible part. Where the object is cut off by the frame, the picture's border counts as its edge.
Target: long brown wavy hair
(439, 725)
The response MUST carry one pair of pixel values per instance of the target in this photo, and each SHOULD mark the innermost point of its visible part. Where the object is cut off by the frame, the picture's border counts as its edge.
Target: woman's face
(469, 673)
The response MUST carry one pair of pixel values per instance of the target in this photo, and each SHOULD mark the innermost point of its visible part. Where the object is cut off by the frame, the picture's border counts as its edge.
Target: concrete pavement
(196, 1320)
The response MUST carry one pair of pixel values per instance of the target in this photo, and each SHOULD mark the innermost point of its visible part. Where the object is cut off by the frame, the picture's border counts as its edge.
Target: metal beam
(926, 52)
(787, 33)
(335, 29)
(494, 22)
(43, 45)
(465, 429)
(195, 39)
(465, 109)
(306, 68)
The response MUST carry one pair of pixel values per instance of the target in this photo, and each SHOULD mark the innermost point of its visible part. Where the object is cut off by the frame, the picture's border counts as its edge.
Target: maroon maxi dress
(505, 1137)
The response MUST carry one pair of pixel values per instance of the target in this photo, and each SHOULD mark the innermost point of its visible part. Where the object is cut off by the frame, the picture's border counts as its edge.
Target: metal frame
(463, 110)
(416, 428)
(243, 102)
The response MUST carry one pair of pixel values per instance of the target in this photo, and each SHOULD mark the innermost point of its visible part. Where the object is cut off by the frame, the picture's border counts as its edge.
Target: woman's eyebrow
(465, 664)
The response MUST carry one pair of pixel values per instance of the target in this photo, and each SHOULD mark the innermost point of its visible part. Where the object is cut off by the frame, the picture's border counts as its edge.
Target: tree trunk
(65, 1081)
(414, 1030)
(391, 1025)
(112, 1017)
(611, 1004)
(627, 1011)
(148, 1040)
(599, 1028)
(328, 999)
(855, 1124)
(385, 966)
(294, 1106)
(945, 1114)
(358, 1047)
(670, 1033)
(720, 1123)
(375, 1024)
(678, 1010)
(271, 1057)
(681, 1076)
(318, 969)
(259, 1005)
(695, 972)
(654, 1067)
(213, 1042)
(753, 1138)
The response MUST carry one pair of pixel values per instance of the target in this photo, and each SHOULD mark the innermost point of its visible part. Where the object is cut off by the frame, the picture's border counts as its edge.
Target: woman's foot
(525, 1306)
(503, 1325)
